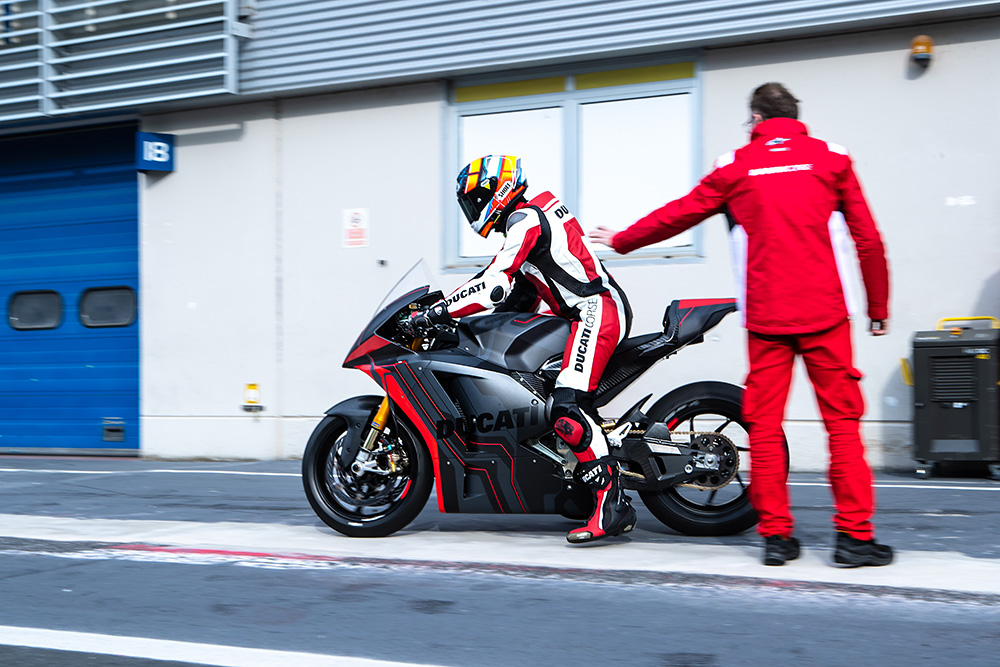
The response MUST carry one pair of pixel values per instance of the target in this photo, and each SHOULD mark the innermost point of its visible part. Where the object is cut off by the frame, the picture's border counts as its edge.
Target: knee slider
(568, 421)
(575, 433)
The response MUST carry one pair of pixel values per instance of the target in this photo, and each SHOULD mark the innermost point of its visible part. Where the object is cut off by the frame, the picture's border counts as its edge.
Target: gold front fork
(379, 421)
(378, 425)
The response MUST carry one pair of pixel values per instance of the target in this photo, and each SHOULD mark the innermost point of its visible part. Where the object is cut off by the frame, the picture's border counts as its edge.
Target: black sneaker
(853, 552)
(778, 549)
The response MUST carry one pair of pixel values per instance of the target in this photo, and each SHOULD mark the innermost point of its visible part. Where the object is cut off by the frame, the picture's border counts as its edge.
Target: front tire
(705, 407)
(369, 504)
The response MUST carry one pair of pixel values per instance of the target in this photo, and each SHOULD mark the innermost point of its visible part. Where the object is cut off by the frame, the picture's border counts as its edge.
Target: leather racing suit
(546, 252)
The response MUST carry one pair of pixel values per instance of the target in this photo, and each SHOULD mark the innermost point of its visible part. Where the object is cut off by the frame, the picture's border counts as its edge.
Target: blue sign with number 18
(154, 152)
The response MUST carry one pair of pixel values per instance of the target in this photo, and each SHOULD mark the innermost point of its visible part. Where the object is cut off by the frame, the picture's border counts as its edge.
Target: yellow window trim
(586, 81)
(624, 77)
(492, 91)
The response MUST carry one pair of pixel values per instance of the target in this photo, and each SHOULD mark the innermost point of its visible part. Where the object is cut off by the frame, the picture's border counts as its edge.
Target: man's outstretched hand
(603, 235)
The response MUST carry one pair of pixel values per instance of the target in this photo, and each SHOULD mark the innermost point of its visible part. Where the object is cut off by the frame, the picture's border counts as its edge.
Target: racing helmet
(489, 189)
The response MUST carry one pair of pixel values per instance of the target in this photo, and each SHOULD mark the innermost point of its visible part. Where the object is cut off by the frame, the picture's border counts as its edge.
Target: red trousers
(828, 358)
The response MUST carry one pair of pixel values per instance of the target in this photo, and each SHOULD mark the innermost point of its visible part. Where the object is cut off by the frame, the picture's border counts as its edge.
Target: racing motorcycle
(464, 408)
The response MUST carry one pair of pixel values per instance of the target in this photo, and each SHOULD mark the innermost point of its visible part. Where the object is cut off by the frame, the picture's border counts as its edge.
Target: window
(534, 135)
(612, 145)
(107, 307)
(40, 309)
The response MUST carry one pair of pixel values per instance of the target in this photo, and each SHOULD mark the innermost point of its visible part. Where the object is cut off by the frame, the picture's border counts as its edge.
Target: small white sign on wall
(355, 227)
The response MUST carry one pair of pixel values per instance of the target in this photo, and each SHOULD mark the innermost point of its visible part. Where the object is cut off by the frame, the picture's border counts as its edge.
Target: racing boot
(613, 515)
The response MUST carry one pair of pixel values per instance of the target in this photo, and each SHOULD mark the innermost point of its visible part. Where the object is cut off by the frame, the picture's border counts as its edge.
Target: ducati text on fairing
(487, 422)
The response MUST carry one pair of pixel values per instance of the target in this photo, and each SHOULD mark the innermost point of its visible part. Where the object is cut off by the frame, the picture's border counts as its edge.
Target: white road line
(172, 471)
(912, 486)
(157, 471)
(164, 649)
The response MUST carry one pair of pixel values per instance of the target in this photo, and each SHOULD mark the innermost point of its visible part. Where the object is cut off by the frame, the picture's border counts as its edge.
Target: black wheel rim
(707, 419)
(369, 496)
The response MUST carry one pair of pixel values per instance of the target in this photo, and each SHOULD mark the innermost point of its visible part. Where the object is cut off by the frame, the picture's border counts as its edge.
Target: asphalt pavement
(155, 514)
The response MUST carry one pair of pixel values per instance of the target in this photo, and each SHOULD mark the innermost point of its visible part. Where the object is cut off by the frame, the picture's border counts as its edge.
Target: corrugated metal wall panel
(68, 223)
(300, 44)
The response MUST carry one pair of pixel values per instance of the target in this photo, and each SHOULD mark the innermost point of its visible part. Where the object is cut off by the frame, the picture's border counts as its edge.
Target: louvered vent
(20, 60)
(67, 56)
(953, 379)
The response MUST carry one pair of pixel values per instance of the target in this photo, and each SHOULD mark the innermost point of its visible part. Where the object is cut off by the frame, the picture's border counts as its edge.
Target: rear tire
(704, 406)
(370, 504)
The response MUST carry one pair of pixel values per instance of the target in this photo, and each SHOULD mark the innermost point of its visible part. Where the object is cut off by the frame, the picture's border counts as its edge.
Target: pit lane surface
(225, 563)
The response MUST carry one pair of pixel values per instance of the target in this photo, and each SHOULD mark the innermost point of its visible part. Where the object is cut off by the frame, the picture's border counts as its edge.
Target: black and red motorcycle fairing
(472, 399)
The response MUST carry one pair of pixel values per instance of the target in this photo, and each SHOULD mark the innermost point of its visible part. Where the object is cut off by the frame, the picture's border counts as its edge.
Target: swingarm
(652, 457)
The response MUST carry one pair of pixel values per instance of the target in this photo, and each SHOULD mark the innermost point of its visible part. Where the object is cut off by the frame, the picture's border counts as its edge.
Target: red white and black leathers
(786, 194)
(545, 250)
(546, 247)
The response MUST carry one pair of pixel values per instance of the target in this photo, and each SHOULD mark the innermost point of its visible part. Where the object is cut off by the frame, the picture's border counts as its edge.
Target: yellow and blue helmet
(489, 189)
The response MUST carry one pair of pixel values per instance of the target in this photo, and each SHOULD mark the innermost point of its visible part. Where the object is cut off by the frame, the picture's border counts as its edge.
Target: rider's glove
(428, 317)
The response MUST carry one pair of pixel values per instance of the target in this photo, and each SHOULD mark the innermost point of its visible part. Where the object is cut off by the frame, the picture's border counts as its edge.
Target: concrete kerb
(935, 574)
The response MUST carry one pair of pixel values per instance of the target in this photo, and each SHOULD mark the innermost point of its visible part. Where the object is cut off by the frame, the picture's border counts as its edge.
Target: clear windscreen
(417, 277)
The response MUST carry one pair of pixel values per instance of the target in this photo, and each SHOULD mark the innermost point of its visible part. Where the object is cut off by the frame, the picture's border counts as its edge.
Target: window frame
(10, 309)
(570, 100)
(108, 288)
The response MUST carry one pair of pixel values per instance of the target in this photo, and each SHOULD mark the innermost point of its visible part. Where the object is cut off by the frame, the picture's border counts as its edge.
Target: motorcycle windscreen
(417, 283)
(417, 277)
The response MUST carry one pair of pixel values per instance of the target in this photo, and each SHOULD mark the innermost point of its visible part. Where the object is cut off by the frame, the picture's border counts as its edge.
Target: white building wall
(380, 151)
(245, 278)
(207, 280)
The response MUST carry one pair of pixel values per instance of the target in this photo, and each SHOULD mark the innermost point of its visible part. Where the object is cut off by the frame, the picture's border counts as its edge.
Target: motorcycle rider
(546, 252)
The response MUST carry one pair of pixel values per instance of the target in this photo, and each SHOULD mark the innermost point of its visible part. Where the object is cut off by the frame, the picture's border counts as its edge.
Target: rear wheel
(705, 407)
(383, 498)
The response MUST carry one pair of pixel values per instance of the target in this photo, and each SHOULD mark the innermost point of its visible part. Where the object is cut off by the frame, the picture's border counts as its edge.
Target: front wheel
(705, 407)
(377, 501)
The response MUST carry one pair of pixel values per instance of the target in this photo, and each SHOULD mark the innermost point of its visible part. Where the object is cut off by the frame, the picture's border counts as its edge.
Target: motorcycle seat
(686, 320)
(629, 344)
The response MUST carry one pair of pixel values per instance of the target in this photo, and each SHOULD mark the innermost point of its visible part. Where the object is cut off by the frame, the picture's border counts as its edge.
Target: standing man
(783, 194)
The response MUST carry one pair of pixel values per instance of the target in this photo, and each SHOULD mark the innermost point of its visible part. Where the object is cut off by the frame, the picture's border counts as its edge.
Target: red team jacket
(782, 193)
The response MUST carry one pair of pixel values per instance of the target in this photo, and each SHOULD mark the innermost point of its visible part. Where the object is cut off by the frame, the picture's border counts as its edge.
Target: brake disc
(367, 489)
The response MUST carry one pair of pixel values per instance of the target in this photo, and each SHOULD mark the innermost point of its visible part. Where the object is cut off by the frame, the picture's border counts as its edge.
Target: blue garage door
(69, 269)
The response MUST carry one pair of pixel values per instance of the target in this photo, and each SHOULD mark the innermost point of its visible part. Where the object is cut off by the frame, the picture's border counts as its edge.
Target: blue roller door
(69, 269)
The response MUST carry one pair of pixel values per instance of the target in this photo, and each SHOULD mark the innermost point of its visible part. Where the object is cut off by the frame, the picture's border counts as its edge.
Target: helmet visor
(472, 203)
